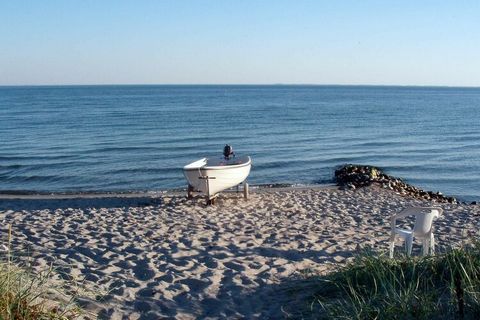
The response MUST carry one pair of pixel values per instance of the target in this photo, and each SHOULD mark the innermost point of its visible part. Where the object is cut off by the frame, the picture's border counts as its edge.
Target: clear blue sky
(240, 41)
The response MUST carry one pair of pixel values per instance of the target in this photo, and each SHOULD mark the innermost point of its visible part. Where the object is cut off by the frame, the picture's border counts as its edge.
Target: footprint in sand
(142, 270)
(142, 306)
(195, 285)
(234, 266)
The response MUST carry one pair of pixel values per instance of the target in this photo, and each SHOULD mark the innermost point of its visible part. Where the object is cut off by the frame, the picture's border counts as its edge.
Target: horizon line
(240, 84)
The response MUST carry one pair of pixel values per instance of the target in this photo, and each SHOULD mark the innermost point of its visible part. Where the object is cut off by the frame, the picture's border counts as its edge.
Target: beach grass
(25, 294)
(444, 286)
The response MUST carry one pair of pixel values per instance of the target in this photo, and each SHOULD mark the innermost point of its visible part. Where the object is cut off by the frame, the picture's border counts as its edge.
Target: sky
(240, 42)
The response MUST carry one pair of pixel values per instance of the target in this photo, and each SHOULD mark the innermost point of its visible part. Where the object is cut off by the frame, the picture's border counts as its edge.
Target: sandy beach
(161, 255)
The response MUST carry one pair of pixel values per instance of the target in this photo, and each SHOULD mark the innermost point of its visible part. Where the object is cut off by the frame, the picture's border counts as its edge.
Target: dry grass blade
(24, 294)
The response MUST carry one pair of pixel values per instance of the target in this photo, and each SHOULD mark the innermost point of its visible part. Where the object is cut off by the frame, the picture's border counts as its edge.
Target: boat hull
(214, 179)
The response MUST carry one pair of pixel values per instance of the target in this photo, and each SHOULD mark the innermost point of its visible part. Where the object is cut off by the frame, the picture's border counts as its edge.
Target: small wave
(31, 178)
(158, 170)
(11, 167)
(118, 149)
(324, 181)
(35, 157)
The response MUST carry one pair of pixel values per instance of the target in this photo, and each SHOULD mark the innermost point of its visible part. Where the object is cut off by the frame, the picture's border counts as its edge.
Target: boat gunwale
(233, 166)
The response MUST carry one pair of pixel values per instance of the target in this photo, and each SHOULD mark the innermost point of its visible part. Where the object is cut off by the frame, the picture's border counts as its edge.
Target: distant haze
(240, 42)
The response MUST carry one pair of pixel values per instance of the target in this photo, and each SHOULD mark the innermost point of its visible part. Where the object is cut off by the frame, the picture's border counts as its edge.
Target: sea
(130, 138)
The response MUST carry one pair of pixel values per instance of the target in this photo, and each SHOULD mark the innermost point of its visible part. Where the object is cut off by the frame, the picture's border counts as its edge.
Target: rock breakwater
(356, 176)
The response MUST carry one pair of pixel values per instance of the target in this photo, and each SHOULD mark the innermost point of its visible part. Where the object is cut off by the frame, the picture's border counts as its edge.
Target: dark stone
(356, 176)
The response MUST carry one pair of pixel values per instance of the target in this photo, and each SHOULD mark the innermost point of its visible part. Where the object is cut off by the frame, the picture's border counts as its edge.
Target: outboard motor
(228, 151)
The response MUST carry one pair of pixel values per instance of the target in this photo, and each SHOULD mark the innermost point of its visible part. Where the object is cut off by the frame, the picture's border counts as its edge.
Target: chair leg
(408, 245)
(392, 247)
(432, 245)
(425, 247)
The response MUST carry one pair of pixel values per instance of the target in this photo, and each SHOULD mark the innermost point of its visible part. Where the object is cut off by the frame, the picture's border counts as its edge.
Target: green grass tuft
(445, 286)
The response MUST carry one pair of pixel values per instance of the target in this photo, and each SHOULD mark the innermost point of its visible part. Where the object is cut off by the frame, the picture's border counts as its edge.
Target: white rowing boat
(213, 175)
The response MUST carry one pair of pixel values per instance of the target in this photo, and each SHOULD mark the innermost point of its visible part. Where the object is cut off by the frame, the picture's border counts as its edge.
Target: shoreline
(127, 199)
(156, 194)
(33, 195)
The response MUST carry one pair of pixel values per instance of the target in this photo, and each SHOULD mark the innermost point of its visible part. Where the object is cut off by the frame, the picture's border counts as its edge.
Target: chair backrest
(423, 221)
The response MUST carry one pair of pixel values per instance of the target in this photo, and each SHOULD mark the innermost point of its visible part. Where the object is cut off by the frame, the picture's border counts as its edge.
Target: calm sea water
(127, 138)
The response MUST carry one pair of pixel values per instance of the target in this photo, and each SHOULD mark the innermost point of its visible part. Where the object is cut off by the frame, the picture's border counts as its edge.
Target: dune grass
(26, 295)
(444, 286)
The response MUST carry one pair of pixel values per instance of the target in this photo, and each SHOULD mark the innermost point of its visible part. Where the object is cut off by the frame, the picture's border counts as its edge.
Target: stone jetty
(351, 176)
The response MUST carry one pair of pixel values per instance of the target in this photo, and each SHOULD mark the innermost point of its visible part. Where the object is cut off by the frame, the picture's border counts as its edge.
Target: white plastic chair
(421, 230)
